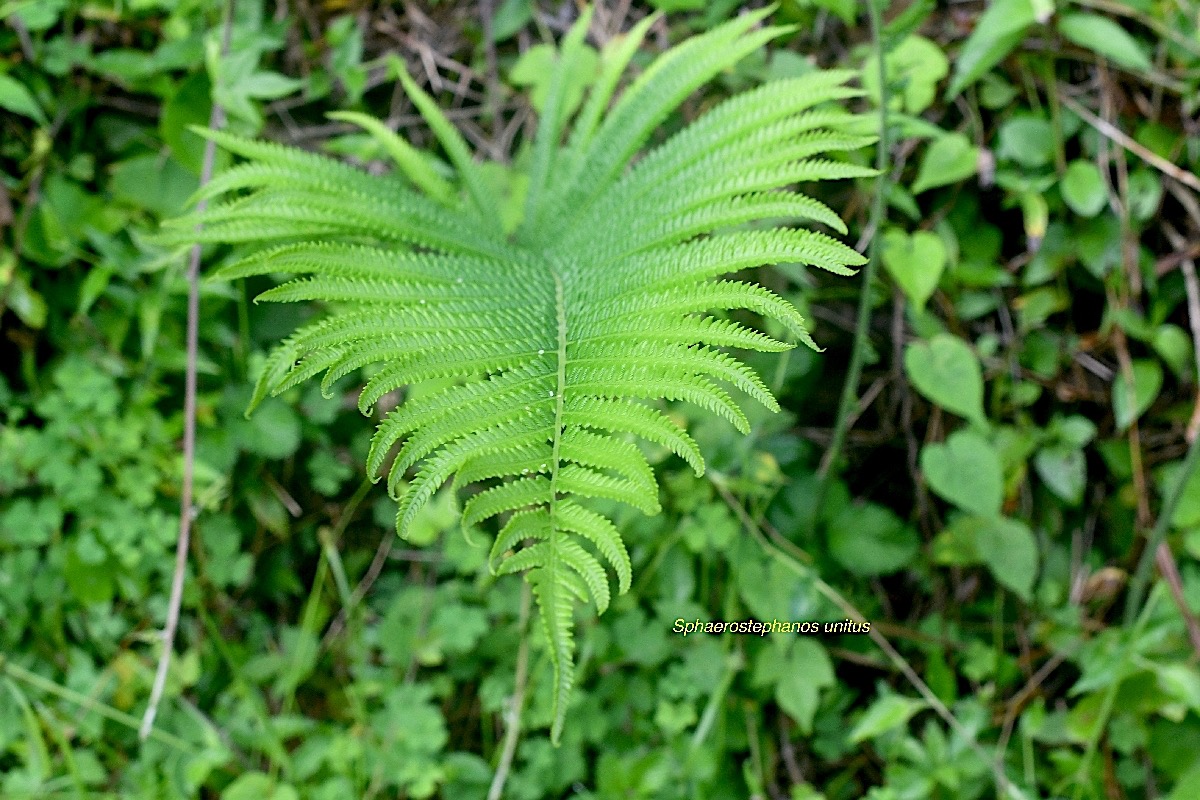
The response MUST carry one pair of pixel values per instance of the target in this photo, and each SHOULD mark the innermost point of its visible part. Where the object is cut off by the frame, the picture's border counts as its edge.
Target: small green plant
(550, 332)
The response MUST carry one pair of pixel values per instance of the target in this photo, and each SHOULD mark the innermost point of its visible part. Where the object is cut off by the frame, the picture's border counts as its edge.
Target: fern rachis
(559, 337)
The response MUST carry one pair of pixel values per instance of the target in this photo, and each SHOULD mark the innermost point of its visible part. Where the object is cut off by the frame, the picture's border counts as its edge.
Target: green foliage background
(1030, 375)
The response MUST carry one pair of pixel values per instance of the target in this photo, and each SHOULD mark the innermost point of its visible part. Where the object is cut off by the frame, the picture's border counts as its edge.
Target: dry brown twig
(1164, 558)
(1124, 140)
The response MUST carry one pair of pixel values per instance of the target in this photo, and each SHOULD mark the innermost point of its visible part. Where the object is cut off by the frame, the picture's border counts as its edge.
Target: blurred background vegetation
(1013, 509)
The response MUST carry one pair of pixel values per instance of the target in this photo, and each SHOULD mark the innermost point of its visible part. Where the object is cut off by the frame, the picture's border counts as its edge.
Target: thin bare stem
(878, 218)
(216, 120)
(86, 703)
(1141, 576)
(516, 704)
(373, 571)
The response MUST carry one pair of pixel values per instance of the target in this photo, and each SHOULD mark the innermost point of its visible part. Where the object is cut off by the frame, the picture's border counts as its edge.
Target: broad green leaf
(1103, 36)
(1145, 193)
(954, 545)
(90, 579)
(1027, 140)
(1187, 512)
(946, 372)
(1181, 682)
(1147, 381)
(1073, 431)
(999, 29)
(510, 17)
(917, 65)
(26, 302)
(190, 105)
(1064, 471)
(869, 539)
(1035, 213)
(845, 9)
(258, 786)
(915, 262)
(273, 432)
(674, 718)
(150, 182)
(433, 520)
(29, 523)
(769, 589)
(17, 99)
(887, 713)
(806, 670)
(907, 21)
(1097, 242)
(535, 69)
(1009, 550)
(1083, 189)
(37, 15)
(126, 66)
(995, 91)
(268, 85)
(948, 159)
(712, 528)
(1173, 346)
(966, 471)
(1188, 785)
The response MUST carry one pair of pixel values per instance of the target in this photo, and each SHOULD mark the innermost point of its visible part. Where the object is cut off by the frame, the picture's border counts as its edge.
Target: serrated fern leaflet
(558, 337)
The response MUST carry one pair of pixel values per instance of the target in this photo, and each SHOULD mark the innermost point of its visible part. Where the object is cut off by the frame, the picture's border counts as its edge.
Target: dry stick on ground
(216, 120)
(1172, 260)
(1163, 556)
(788, 752)
(1165, 560)
(1137, 587)
(18, 25)
(1018, 701)
(1161, 552)
(1120, 137)
(1118, 200)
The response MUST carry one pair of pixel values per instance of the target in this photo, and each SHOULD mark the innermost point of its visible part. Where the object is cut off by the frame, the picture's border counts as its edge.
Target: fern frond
(554, 346)
(486, 204)
(407, 157)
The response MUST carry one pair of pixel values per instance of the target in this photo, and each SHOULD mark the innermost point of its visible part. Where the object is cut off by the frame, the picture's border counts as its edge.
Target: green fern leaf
(553, 345)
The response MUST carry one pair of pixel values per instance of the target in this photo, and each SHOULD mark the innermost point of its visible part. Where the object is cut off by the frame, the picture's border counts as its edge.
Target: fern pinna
(554, 336)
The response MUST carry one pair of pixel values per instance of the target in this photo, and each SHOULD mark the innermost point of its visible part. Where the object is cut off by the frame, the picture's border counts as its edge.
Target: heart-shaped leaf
(1083, 189)
(948, 159)
(1147, 381)
(1102, 35)
(966, 471)
(871, 540)
(1064, 471)
(1008, 548)
(915, 262)
(887, 713)
(1000, 28)
(946, 371)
